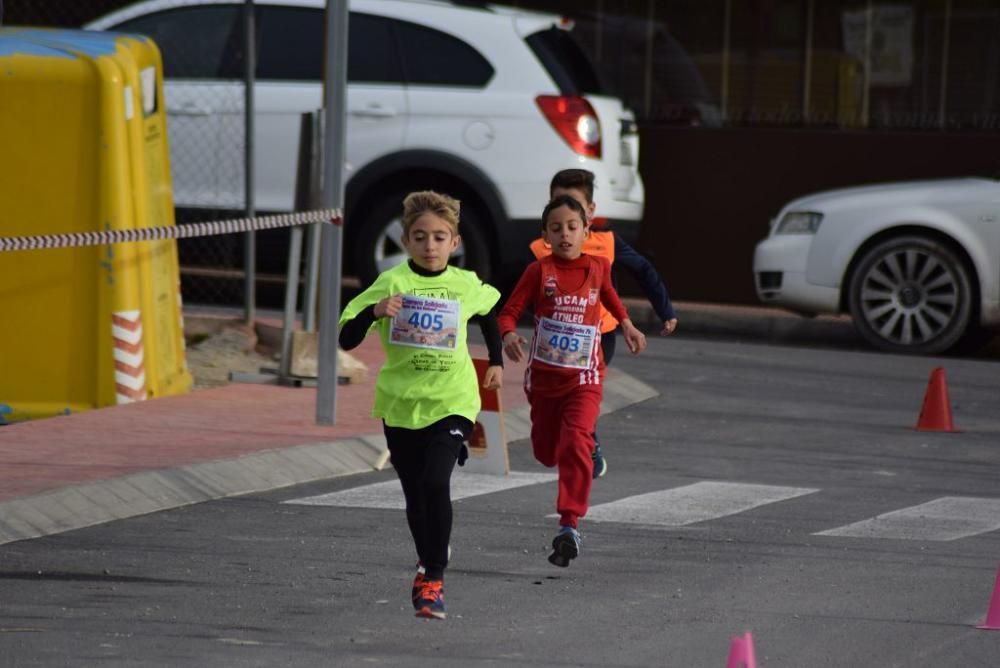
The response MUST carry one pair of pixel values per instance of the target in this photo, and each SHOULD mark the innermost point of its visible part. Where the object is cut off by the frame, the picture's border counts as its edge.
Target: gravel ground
(213, 352)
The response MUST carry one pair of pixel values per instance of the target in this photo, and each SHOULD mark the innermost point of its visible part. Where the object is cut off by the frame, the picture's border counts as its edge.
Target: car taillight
(575, 121)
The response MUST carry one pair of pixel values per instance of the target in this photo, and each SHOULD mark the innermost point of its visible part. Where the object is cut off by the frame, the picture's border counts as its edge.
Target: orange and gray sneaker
(430, 600)
(418, 581)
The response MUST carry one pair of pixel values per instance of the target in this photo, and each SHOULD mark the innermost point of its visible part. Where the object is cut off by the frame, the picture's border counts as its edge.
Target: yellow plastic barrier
(83, 148)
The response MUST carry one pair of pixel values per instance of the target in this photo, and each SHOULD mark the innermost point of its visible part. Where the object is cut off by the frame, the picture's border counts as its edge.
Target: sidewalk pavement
(74, 471)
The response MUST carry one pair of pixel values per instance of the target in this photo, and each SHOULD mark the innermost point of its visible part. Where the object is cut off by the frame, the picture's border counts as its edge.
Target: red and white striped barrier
(130, 358)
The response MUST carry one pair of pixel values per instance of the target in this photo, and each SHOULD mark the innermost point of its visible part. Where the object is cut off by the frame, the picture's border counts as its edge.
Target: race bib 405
(426, 323)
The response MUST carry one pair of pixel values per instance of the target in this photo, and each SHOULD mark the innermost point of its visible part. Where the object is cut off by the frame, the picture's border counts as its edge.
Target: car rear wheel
(911, 294)
(379, 245)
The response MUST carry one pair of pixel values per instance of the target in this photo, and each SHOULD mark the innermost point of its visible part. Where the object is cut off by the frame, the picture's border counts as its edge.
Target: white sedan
(916, 264)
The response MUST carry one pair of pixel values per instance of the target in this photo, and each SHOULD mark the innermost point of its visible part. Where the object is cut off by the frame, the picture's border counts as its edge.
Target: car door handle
(189, 110)
(374, 111)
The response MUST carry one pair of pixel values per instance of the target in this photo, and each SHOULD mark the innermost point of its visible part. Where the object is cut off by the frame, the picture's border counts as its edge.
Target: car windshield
(567, 63)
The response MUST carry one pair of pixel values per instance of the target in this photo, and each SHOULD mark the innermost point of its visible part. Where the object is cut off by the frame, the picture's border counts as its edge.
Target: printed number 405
(565, 343)
(427, 321)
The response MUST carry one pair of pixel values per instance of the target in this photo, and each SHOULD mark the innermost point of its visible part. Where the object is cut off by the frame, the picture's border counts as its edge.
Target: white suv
(485, 104)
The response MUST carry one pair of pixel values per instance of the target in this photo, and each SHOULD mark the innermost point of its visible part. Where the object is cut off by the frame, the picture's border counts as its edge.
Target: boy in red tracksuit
(563, 379)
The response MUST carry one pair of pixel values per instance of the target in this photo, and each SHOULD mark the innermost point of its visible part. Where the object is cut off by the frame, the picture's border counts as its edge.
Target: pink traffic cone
(992, 622)
(741, 654)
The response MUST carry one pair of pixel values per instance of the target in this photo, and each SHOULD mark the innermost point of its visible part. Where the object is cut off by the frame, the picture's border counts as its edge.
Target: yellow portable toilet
(83, 148)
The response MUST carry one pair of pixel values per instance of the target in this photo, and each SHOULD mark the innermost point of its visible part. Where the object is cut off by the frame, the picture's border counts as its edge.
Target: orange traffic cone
(741, 654)
(992, 622)
(935, 414)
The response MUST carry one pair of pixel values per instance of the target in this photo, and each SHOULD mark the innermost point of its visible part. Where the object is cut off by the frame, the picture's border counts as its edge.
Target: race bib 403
(564, 344)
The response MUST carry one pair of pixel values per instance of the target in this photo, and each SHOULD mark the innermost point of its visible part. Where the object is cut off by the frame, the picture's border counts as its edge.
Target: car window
(290, 46)
(433, 57)
(195, 42)
(372, 55)
(566, 62)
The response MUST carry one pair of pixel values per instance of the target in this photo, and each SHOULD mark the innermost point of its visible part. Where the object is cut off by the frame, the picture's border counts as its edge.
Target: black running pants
(423, 460)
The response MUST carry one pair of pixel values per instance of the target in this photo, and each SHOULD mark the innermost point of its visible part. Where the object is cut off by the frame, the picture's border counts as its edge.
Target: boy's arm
(635, 339)
(354, 331)
(523, 294)
(493, 379)
(491, 334)
(646, 275)
(519, 299)
(609, 297)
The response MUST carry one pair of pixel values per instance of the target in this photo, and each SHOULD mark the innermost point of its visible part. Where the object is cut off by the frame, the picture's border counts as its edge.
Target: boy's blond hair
(427, 201)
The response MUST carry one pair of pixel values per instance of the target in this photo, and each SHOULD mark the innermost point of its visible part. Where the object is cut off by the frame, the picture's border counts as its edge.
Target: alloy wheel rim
(910, 296)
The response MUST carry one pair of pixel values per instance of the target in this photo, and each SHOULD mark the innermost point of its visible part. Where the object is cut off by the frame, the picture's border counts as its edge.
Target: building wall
(711, 193)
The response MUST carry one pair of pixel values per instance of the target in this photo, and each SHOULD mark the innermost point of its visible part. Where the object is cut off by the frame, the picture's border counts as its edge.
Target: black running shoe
(600, 463)
(565, 547)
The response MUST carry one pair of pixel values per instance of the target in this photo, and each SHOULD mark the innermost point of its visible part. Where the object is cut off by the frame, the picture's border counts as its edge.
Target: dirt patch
(214, 352)
(216, 348)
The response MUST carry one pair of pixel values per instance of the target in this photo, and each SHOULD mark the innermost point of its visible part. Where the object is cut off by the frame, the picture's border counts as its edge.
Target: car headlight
(799, 222)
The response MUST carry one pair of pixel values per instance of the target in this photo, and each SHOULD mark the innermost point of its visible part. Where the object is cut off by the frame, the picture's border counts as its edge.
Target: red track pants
(561, 435)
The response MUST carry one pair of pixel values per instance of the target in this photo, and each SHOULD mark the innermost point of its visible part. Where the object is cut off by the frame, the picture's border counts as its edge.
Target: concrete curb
(748, 323)
(84, 505)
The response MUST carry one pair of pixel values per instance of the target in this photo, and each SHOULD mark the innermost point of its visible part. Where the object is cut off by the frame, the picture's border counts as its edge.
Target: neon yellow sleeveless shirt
(428, 373)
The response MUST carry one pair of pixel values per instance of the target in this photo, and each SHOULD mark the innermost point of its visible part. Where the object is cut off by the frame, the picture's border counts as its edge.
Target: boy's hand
(635, 339)
(512, 343)
(389, 307)
(493, 379)
(668, 327)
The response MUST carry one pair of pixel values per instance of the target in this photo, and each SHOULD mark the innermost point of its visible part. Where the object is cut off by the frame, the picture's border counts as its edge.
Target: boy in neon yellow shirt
(427, 391)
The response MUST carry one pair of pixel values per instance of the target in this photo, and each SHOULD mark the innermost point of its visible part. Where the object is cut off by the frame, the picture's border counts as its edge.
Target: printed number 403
(427, 321)
(565, 343)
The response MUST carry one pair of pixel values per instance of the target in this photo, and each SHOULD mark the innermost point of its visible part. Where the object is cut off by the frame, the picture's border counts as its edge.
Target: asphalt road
(776, 489)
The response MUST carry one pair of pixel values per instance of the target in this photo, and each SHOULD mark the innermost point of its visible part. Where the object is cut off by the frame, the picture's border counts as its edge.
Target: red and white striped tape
(73, 239)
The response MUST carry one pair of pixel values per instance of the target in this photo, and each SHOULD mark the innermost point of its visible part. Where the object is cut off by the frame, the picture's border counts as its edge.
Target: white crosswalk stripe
(943, 519)
(947, 518)
(389, 494)
(692, 503)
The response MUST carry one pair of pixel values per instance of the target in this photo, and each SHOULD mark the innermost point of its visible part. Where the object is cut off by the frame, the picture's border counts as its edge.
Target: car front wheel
(911, 294)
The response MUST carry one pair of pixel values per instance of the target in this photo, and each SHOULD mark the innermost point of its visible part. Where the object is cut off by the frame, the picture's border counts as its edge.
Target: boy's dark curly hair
(580, 179)
(563, 200)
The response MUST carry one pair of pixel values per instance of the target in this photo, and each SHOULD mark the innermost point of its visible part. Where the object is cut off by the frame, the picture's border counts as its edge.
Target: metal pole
(599, 30)
(291, 297)
(249, 239)
(727, 19)
(945, 48)
(807, 75)
(334, 103)
(647, 79)
(866, 93)
(311, 297)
